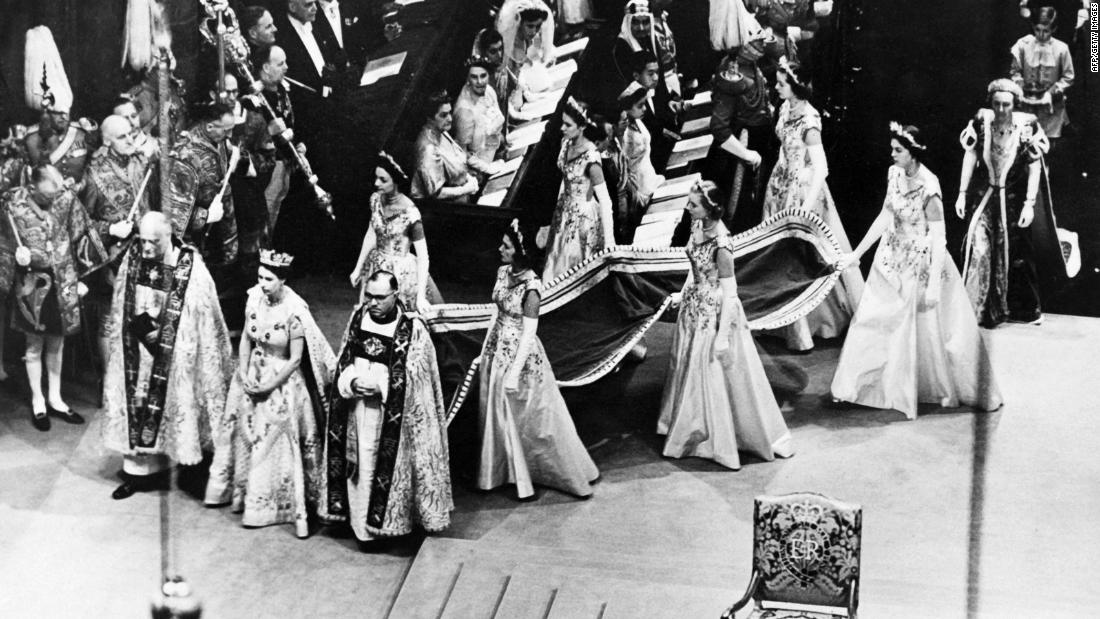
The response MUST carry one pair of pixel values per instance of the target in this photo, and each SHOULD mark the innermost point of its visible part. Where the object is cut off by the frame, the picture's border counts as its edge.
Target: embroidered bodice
(270, 327)
(703, 296)
(792, 133)
(508, 295)
(577, 186)
(906, 244)
(392, 233)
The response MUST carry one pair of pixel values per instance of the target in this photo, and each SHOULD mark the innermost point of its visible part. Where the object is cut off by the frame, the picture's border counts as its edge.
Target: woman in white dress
(582, 225)
(395, 226)
(274, 473)
(798, 182)
(914, 337)
(717, 400)
(527, 434)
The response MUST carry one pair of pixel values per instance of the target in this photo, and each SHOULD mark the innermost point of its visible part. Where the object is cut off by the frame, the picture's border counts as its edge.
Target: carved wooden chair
(805, 558)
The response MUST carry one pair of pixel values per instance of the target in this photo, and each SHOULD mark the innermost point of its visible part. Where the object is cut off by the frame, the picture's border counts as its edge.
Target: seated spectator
(441, 163)
(479, 123)
(645, 28)
(528, 32)
(490, 45)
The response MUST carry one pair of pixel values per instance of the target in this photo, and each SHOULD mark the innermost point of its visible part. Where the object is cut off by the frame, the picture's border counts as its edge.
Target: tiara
(271, 258)
(1005, 85)
(477, 60)
(574, 106)
(898, 130)
(384, 155)
(786, 66)
(519, 235)
(701, 185)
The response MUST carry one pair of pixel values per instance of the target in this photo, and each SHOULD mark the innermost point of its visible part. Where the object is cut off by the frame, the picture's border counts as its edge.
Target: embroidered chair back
(806, 550)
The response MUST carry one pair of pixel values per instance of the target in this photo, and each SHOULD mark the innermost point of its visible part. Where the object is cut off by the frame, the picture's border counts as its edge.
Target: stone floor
(965, 515)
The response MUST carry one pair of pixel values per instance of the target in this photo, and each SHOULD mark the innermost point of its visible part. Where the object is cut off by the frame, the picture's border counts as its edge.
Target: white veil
(508, 22)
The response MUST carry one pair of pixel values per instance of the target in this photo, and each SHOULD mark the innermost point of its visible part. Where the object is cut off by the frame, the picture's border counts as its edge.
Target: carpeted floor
(965, 515)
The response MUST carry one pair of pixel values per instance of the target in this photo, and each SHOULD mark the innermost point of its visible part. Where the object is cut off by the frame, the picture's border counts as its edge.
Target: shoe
(40, 421)
(125, 491)
(69, 416)
(133, 484)
(1038, 321)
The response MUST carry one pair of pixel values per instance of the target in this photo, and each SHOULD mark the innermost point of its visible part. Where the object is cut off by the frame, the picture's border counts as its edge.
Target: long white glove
(1027, 214)
(821, 172)
(523, 350)
(725, 320)
(603, 197)
(735, 147)
(937, 238)
(421, 248)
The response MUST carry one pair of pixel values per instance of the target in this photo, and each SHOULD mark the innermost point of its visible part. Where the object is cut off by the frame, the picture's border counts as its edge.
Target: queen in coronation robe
(271, 469)
(386, 453)
(170, 361)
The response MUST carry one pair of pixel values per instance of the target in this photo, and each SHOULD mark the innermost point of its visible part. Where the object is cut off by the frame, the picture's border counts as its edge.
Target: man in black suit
(348, 25)
(311, 56)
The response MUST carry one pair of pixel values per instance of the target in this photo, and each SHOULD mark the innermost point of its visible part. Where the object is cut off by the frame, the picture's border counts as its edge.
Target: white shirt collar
(299, 25)
(305, 33)
(332, 14)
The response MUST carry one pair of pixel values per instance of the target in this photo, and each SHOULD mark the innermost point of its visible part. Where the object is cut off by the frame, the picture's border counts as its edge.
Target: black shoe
(41, 422)
(125, 491)
(144, 483)
(69, 416)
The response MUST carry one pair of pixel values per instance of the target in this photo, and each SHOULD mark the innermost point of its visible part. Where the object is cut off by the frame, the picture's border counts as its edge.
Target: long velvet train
(594, 314)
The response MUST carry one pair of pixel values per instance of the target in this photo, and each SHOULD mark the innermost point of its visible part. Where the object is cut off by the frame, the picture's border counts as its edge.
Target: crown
(898, 130)
(279, 260)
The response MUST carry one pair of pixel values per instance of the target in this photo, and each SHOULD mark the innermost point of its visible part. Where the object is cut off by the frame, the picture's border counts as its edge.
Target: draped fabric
(407, 483)
(64, 247)
(197, 377)
(270, 467)
(1006, 268)
(594, 314)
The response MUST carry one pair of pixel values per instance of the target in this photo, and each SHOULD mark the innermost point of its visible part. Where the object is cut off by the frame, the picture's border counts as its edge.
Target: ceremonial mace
(148, 43)
(221, 29)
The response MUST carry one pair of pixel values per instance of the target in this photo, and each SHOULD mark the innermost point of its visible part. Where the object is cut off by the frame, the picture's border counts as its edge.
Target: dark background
(925, 63)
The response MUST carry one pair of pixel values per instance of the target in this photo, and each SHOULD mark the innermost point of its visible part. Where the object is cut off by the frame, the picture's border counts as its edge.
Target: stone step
(539, 581)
